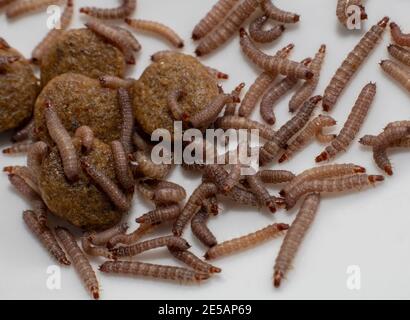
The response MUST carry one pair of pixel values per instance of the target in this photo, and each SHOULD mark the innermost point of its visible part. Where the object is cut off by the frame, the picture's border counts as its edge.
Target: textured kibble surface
(18, 91)
(80, 100)
(174, 72)
(81, 51)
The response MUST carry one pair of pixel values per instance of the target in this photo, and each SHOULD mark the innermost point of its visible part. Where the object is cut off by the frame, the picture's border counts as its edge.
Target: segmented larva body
(233, 178)
(397, 72)
(64, 143)
(35, 156)
(79, 260)
(261, 192)
(216, 73)
(236, 122)
(86, 137)
(260, 85)
(245, 242)
(275, 176)
(93, 250)
(338, 184)
(227, 28)
(230, 109)
(352, 63)
(101, 238)
(118, 198)
(264, 36)
(127, 125)
(352, 125)
(126, 9)
(4, 3)
(272, 63)
(395, 124)
(307, 89)
(173, 104)
(398, 36)
(277, 14)
(114, 82)
(133, 250)
(179, 274)
(400, 53)
(294, 237)
(201, 230)
(341, 11)
(369, 140)
(27, 132)
(210, 205)
(169, 194)
(148, 168)
(122, 169)
(19, 147)
(46, 237)
(133, 41)
(161, 214)
(27, 6)
(193, 261)
(312, 129)
(25, 173)
(132, 237)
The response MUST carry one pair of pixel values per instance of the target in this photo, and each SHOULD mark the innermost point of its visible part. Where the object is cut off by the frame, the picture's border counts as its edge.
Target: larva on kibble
(397, 72)
(79, 260)
(46, 237)
(135, 268)
(227, 28)
(264, 36)
(132, 237)
(260, 191)
(173, 104)
(294, 237)
(101, 238)
(35, 156)
(27, 6)
(273, 63)
(402, 39)
(312, 129)
(127, 124)
(126, 9)
(277, 14)
(275, 176)
(352, 125)
(25, 133)
(352, 63)
(94, 250)
(122, 168)
(18, 147)
(148, 168)
(86, 136)
(245, 242)
(160, 214)
(193, 261)
(236, 122)
(201, 230)
(114, 82)
(400, 53)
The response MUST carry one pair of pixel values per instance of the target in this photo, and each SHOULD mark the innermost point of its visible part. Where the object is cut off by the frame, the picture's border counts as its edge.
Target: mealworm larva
(18, 147)
(63, 141)
(127, 125)
(117, 37)
(338, 184)
(294, 237)
(101, 238)
(260, 85)
(402, 39)
(132, 40)
(132, 237)
(169, 195)
(203, 191)
(122, 169)
(161, 214)
(79, 260)
(397, 72)
(233, 178)
(275, 176)
(352, 125)
(46, 237)
(173, 104)
(369, 140)
(217, 74)
(236, 122)
(264, 36)
(400, 53)
(133, 250)
(395, 124)
(150, 169)
(117, 197)
(25, 173)
(245, 242)
(3, 3)
(114, 82)
(271, 148)
(277, 14)
(193, 261)
(352, 63)
(211, 205)
(230, 108)
(227, 28)
(86, 136)
(311, 130)
(126, 9)
(161, 191)
(27, 6)
(307, 89)
(35, 156)
(201, 230)
(25, 133)
(154, 271)
(261, 192)
(93, 250)
(157, 28)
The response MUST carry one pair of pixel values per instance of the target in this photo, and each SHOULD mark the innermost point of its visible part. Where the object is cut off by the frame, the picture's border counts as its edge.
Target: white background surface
(367, 229)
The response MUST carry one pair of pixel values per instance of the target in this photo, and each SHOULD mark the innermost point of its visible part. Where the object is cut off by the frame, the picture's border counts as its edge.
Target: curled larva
(35, 156)
(275, 176)
(277, 14)
(126, 9)
(160, 214)
(132, 237)
(352, 125)
(63, 141)
(245, 242)
(236, 122)
(173, 104)
(92, 250)
(127, 124)
(352, 63)
(25, 133)
(86, 135)
(400, 53)
(260, 191)
(294, 237)
(18, 147)
(79, 260)
(157, 28)
(114, 82)
(46, 237)
(201, 230)
(154, 271)
(264, 36)
(101, 238)
(148, 168)
(312, 129)
(193, 261)
(27, 6)
(398, 36)
(122, 168)
(397, 72)
(227, 28)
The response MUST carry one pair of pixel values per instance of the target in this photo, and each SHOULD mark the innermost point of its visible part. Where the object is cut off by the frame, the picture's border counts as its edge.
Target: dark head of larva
(383, 22)
(388, 169)
(201, 276)
(280, 202)
(296, 18)
(359, 169)
(277, 278)
(283, 158)
(315, 99)
(242, 33)
(282, 226)
(322, 157)
(375, 178)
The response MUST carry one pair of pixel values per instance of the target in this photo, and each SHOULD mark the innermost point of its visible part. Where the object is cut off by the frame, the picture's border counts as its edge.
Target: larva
(272, 63)
(230, 108)
(127, 125)
(86, 136)
(148, 168)
(398, 36)
(173, 104)
(114, 82)
(277, 14)
(341, 11)
(79, 260)
(261, 192)
(227, 28)
(369, 140)
(352, 63)
(352, 125)
(193, 261)
(35, 156)
(4, 3)
(395, 124)
(245, 242)
(126, 9)
(46, 237)
(122, 169)
(93, 250)
(25, 173)
(397, 72)
(26, 133)
(18, 147)
(132, 237)
(157, 28)
(326, 171)
(133, 41)
(23, 7)
(154, 271)
(236, 122)
(117, 197)
(233, 178)
(311, 130)
(211, 205)
(275, 176)
(400, 53)
(169, 195)
(338, 184)
(201, 230)
(260, 85)
(307, 89)
(133, 250)
(274, 93)
(101, 238)
(294, 237)
(264, 36)
(160, 214)
(324, 138)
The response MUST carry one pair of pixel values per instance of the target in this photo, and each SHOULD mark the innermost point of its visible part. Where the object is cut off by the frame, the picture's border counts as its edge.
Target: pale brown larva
(126, 9)
(193, 261)
(400, 53)
(25, 173)
(148, 168)
(127, 124)
(86, 137)
(173, 104)
(277, 14)
(230, 109)
(397, 72)
(275, 176)
(18, 147)
(233, 178)
(160, 214)
(25, 133)
(122, 168)
(236, 122)
(264, 36)
(132, 237)
(341, 11)
(260, 191)
(101, 238)
(398, 36)
(35, 156)
(94, 251)
(201, 230)
(113, 82)
(169, 194)
(27, 6)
